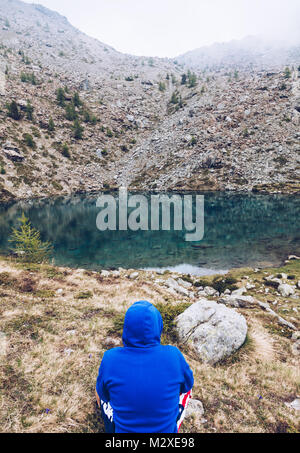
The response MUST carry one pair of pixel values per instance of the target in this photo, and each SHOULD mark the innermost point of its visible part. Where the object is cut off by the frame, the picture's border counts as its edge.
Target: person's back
(143, 380)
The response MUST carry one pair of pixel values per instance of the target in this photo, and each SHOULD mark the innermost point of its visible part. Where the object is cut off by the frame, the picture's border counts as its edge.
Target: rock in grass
(195, 409)
(213, 331)
(294, 404)
(286, 290)
(237, 301)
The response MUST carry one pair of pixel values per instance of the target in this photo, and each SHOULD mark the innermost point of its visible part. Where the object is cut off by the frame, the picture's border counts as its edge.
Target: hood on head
(142, 325)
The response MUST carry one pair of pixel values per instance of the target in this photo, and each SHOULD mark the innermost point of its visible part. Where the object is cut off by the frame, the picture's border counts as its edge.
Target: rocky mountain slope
(76, 115)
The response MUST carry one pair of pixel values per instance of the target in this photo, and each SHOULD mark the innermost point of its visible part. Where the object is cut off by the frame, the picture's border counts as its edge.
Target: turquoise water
(240, 230)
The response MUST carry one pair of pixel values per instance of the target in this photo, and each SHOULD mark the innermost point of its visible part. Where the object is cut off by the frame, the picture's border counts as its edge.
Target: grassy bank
(56, 323)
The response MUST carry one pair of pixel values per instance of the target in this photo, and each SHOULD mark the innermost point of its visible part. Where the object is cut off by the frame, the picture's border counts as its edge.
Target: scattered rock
(173, 284)
(281, 321)
(208, 291)
(71, 332)
(237, 301)
(105, 273)
(239, 292)
(134, 275)
(184, 283)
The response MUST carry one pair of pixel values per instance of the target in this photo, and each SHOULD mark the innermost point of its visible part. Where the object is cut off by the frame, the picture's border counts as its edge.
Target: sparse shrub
(192, 78)
(109, 133)
(193, 141)
(183, 79)
(6, 279)
(169, 313)
(65, 151)
(51, 125)
(2, 170)
(29, 111)
(272, 284)
(28, 78)
(27, 240)
(88, 117)
(26, 285)
(84, 295)
(162, 86)
(60, 97)
(245, 133)
(174, 98)
(287, 73)
(28, 140)
(71, 113)
(13, 111)
(76, 100)
(221, 284)
(104, 152)
(129, 79)
(78, 130)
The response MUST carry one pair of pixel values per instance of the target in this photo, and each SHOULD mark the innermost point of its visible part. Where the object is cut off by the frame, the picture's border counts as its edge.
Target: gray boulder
(286, 290)
(212, 330)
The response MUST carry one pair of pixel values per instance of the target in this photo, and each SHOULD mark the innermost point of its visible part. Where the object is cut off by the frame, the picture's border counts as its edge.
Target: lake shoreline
(8, 197)
(239, 230)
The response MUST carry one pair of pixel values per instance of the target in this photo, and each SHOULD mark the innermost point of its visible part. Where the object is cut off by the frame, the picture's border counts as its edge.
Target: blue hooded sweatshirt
(142, 381)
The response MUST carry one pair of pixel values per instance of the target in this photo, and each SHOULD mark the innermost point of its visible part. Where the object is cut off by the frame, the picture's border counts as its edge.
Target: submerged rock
(212, 330)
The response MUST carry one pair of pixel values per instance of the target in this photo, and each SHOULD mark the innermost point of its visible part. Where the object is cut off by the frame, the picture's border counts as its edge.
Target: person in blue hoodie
(144, 386)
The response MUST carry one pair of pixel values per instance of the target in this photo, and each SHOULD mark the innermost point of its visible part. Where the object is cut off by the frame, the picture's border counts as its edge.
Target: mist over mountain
(252, 51)
(77, 115)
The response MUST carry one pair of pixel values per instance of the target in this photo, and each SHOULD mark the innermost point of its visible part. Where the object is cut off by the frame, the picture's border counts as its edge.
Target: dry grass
(55, 341)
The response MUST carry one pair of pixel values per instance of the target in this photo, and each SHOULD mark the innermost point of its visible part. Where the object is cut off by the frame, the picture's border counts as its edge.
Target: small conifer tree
(27, 240)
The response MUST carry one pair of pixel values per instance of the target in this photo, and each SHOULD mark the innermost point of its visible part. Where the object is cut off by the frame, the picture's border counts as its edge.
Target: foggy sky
(167, 28)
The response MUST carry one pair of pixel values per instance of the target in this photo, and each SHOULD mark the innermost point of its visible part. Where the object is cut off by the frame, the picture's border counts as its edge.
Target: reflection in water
(240, 230)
